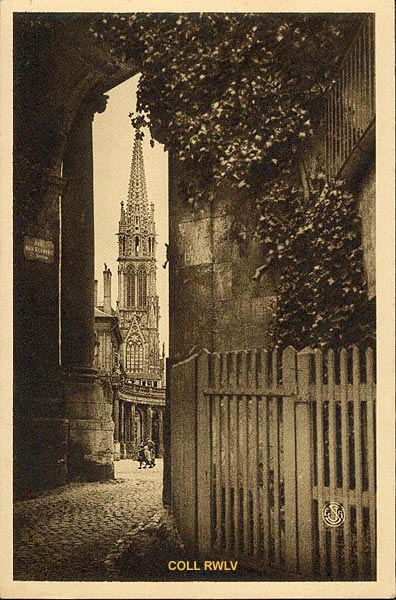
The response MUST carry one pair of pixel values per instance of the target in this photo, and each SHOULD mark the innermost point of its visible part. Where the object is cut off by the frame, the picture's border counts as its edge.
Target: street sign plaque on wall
(36, 249)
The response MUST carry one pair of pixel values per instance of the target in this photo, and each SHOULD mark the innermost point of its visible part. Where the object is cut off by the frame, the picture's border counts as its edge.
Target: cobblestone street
(67, 533)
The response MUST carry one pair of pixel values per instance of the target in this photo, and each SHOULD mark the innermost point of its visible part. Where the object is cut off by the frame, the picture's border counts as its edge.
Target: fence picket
(255, 478)
(237, 499)
(263, 440)
(252, 469)
(255, 455)
(245, 454)
(276, 459)
(265, 498)
(217, 462)
(320, 457)
(289, 447)
(244, 471)
(358, 458)
(226, 469)
(332, 454)
(345, 457)
(203, 444)
(304, 461)
(233, 442)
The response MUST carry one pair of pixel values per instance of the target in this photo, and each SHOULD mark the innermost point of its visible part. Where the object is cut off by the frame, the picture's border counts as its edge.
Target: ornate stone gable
(134, 334)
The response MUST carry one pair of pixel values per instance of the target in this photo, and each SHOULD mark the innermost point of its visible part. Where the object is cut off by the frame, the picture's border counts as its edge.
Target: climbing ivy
(314, 241)
(234, 96)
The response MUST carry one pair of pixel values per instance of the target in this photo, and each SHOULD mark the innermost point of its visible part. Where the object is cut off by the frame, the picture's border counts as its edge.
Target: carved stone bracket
(96, 104)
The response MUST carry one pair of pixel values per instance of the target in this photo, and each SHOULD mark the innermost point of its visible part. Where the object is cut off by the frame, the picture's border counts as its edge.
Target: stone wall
(46, 439)
(214, 302)
(88, 405)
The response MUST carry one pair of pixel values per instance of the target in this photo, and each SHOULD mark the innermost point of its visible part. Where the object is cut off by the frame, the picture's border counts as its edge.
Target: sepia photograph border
(384, 586)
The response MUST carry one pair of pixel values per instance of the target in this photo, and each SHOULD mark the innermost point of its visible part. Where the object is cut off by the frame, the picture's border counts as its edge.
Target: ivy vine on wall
(234, 96)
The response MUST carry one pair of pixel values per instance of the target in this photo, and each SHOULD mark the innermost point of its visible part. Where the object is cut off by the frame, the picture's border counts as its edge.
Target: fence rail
(350, 106)
(275, 438)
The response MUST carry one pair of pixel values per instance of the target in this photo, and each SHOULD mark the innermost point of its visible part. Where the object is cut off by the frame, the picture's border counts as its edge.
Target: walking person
(142, 456)
(147, 456)
(151, 446)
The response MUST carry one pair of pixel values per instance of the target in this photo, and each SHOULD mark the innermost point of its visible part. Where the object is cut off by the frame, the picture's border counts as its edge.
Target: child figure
(151, 447)
(147, 457)
(142, 456)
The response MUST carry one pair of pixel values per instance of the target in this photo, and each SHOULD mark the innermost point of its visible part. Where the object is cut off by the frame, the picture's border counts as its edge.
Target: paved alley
(66, 534)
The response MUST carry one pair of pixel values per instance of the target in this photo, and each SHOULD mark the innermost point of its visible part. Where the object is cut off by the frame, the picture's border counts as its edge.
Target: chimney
(107, 290)
(96, 292)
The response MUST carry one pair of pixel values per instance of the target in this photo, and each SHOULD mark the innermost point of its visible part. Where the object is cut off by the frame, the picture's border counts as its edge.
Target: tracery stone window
(142, 288)
(134, 355)
(130, 287)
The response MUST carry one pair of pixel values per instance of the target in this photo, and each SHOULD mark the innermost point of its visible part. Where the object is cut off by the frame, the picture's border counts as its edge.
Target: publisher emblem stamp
(333, 514)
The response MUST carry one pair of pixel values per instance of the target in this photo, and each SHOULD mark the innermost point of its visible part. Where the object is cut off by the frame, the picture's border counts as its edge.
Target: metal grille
(351, 101)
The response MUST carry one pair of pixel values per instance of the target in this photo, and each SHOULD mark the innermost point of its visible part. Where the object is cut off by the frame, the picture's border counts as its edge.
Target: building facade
(138, 302)
(108, 337)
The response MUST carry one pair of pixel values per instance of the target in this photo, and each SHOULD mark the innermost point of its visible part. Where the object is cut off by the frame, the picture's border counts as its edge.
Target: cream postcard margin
(384, 587)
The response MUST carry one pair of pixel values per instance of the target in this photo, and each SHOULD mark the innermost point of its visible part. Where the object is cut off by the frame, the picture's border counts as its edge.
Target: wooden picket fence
(261, 443)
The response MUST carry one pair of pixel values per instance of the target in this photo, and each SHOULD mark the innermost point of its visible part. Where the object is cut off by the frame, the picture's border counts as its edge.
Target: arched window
(137, 244)
(130, 287)
(142, 288)
(134, 356)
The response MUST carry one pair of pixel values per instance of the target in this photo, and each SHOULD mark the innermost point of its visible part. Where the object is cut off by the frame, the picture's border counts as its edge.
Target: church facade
(137, 367)
(138, 302)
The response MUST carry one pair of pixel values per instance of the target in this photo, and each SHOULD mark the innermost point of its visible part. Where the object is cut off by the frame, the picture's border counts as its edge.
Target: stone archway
(62, 415)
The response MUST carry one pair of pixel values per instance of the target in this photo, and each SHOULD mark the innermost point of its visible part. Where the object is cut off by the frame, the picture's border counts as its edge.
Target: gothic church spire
(138, 216)
(138, 302)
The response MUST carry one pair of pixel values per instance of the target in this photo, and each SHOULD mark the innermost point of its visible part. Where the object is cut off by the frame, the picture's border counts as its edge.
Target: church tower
(138, 302)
